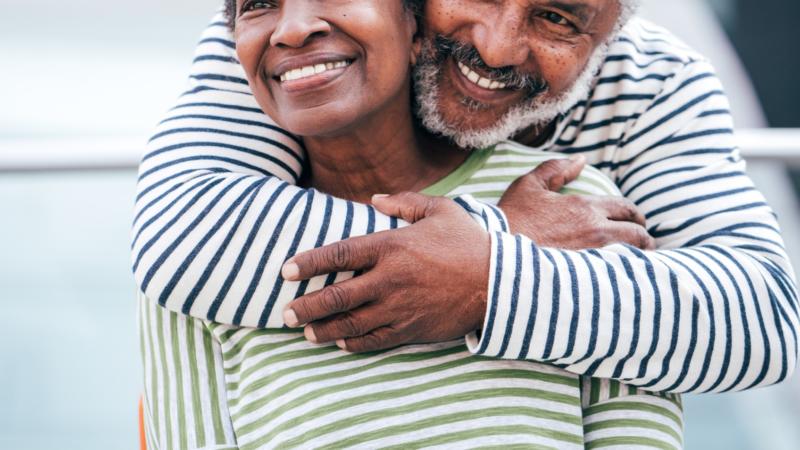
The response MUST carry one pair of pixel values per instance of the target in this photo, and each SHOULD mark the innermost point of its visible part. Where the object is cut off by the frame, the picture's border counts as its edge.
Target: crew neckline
(461, 174)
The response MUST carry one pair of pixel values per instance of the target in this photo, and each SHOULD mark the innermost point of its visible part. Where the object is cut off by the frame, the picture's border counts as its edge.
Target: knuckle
(339, 255)
(598, 236)
(349, 325)
(334, 298)
(371, 342)
(645, 240)
(630, 210)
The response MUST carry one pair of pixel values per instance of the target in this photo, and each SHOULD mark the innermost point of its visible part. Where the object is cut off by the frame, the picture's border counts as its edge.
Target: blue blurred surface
(70, 370)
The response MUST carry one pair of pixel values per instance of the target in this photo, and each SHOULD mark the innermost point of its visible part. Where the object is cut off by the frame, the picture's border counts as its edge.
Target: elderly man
(714, 309)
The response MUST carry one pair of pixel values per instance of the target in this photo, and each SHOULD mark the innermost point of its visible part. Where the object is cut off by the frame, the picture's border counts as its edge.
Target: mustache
(443, 47)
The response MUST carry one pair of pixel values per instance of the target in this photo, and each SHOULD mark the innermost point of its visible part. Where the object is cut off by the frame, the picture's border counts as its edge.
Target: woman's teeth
(483, 82)
(308, 71)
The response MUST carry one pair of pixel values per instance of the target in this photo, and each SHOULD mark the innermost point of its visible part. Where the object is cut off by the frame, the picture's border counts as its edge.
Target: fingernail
(341, 344)
(290, 318)
(379, 196)
(309, 333)
(290, 271)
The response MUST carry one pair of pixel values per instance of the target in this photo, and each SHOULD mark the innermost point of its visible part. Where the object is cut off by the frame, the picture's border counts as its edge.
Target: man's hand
(423, 283)
(428, 282)
(576, 222)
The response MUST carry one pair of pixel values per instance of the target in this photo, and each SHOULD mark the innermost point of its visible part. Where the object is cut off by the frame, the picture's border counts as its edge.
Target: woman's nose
(299, 22)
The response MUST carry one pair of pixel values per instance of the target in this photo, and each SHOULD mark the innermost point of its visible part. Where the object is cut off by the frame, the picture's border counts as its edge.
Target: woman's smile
(309, 72)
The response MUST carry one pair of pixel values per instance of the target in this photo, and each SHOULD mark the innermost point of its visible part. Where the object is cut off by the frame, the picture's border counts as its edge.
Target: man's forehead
(582, 9)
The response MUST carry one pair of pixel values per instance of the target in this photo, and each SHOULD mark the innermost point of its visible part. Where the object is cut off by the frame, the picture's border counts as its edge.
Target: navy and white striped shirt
(714, 309)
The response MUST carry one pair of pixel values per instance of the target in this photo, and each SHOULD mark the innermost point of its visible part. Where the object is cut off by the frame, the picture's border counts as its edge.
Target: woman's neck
(385, 154)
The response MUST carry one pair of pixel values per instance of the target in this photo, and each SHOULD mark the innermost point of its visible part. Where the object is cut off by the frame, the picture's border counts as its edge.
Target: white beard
(538, 111)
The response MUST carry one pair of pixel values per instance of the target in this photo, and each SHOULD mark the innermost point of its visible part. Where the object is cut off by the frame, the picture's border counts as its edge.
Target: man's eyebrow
(584, 11)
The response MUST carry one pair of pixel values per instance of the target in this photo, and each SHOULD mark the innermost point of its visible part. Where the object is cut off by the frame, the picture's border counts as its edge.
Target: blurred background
(82, 84)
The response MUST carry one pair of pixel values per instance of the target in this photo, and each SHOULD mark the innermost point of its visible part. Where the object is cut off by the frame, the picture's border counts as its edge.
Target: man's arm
(714, 310)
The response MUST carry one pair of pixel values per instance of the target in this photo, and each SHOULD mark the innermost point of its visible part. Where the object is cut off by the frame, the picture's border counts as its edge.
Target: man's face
(495, 57)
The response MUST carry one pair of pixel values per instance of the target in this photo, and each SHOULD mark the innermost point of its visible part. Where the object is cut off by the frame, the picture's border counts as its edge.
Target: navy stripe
(273, 296)
(209, 270)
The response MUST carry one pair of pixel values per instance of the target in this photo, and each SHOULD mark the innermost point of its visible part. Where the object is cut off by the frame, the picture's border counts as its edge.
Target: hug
(450, 223)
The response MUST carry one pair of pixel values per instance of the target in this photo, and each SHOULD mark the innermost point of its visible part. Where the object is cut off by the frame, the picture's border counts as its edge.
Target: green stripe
(240, 345)
(516, 447)
(254, 350)
(613, 389)
(632, 423)
(594, 395)
(472, 164)
(392, 376)
(399, 393)
(629, 441)
(333, 427)
(347, 357)
(175, 350)
(164, 368)
(634, 406)
(197, 404)
(216, 415)
(147, 339)
(281, 357)
(488, 431)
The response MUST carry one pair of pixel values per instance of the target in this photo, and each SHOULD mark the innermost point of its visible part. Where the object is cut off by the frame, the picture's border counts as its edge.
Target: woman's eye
(555, 18)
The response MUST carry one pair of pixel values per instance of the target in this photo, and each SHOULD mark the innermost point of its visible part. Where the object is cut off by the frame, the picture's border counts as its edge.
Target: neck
(384, 154)
(536, 135)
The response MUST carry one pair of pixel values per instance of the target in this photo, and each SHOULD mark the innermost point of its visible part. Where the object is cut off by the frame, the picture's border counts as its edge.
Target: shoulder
(512, 155)
(215, 63)
(649, 79)
(643, 62)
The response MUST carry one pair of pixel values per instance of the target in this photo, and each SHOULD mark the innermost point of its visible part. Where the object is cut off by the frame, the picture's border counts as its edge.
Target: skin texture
(413, 291)
(534, 37)
(369, 136)
(543, 213)
(355, 120)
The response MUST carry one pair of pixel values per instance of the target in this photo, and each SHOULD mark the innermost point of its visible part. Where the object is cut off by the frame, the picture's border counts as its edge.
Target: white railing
(88, 153)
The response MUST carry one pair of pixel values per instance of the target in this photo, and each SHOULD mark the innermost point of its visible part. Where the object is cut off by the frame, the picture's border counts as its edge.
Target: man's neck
(386, 154)
(536, 136)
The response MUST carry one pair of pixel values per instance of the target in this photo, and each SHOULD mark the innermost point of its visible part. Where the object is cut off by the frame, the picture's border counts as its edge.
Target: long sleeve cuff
(495, 337)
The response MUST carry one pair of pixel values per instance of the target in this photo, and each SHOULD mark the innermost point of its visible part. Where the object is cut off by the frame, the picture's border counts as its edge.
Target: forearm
(709, 318)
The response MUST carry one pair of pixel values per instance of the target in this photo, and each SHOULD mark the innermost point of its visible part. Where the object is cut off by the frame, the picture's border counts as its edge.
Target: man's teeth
(307, 71)
(483, 82)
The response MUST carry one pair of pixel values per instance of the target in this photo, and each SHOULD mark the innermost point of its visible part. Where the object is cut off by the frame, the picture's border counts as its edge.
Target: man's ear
(416, 48)
(416, 42)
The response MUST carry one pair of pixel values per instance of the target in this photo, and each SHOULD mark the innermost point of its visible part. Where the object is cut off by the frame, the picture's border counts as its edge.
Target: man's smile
(470, 83)
(483, 82)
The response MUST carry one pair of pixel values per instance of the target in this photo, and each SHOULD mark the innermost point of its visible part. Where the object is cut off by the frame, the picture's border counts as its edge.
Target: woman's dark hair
(230, 10)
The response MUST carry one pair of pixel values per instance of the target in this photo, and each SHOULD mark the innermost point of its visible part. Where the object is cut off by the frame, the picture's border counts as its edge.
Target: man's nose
(298, 23)
(502, 40)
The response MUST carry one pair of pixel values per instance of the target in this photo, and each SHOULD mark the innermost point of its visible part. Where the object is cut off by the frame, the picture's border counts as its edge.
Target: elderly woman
(337, 74)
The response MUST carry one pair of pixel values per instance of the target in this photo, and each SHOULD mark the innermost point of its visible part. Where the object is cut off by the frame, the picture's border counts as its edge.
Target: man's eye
(254, 5)
(555, 18)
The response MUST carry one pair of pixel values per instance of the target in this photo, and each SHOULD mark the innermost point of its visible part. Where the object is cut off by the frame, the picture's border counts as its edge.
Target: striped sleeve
(714, 310)
(217, 213)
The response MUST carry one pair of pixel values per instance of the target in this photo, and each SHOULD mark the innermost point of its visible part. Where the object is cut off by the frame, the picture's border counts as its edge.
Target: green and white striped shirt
(220, 386)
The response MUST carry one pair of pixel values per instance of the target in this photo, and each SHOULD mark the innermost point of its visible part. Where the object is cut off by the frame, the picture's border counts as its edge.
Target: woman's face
(319, 67)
